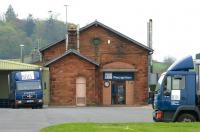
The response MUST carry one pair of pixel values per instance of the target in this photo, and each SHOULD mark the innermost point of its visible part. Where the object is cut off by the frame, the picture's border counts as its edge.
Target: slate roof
(51, 44)
(68, 52)
(108, 28)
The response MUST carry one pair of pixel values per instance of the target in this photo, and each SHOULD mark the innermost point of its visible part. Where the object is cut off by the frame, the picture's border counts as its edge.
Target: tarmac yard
(32, 120)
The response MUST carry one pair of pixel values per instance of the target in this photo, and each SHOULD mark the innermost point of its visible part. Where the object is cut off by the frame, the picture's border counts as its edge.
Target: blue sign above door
(118, 76)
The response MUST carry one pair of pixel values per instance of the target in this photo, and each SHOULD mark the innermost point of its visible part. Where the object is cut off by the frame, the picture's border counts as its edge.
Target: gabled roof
(71, 51)
(116, 32)
(12, 65)
(108, 28)
(51, 44)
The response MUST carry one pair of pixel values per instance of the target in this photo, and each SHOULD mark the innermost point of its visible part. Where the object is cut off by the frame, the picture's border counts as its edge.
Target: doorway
(80, 91)
(118, 92)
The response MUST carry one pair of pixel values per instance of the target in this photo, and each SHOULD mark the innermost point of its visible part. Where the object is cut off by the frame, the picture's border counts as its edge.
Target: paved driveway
(32, 120)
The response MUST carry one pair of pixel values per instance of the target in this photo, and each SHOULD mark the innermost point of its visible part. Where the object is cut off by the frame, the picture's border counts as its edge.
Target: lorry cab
(175, 94)
(26, 89)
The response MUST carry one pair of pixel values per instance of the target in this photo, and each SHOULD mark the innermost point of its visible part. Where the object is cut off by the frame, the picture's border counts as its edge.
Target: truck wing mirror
(151, 97)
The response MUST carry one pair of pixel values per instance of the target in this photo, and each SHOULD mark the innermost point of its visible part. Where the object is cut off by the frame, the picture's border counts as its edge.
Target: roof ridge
(74, 52)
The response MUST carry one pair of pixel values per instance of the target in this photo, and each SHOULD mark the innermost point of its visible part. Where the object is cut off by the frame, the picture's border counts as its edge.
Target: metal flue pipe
(66, 35)
(149, 41)
(78, 39)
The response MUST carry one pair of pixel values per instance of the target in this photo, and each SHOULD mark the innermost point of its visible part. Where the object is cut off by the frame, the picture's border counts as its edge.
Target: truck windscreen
(28, 85)
(159, 82)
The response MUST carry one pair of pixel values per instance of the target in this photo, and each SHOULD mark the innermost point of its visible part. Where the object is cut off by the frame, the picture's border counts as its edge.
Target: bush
(152, 87)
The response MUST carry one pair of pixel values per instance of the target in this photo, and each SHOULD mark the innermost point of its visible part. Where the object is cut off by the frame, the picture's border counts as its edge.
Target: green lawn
(126, 127)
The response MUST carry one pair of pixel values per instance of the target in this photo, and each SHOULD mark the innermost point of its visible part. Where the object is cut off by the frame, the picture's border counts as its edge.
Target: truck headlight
(19, 102)
(40, 100)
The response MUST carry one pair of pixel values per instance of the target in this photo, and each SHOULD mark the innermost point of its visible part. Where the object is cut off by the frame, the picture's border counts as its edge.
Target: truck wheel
(40, 106)
(186, 118)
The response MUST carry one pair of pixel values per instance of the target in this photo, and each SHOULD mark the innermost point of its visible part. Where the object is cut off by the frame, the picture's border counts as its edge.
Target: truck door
(178, 94)
(174, 92)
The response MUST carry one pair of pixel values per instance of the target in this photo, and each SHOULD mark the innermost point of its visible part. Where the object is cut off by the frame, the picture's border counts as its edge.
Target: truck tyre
(40, 106)
(186, 118)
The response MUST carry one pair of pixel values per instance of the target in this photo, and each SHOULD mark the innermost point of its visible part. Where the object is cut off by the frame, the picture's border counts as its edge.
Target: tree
(10, 38)
(54, 30)
(169, 60)
(10, 14)
(30, 25)
(14, 31)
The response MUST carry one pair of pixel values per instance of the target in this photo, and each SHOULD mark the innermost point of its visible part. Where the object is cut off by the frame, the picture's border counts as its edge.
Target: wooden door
(80, 91)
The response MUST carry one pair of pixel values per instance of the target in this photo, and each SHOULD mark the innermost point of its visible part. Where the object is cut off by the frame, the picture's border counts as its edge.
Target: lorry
(177, 94)
(25, 89)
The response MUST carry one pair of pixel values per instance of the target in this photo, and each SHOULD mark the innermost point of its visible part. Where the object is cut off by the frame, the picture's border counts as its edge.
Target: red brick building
(99, 66)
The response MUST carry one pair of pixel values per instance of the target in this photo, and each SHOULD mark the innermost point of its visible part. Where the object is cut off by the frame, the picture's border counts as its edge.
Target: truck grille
(29, 96)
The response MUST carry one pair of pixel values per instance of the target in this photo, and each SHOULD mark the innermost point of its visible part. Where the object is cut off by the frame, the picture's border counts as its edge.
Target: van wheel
(186, 118)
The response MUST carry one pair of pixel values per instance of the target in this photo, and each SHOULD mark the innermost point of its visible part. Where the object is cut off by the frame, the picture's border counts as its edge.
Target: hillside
(32, 33)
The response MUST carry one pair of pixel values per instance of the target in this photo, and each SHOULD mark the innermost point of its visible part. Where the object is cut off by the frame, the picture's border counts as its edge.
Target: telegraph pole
(38, 49)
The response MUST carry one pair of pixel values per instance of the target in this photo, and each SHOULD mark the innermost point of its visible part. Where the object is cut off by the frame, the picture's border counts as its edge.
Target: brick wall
(119, 50)
(63, 80)
(54, 51)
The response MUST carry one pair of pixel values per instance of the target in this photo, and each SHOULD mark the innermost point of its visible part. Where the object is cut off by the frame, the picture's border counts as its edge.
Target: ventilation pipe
(78, 39)
(149, 33)
(149, 42)
(66, 35)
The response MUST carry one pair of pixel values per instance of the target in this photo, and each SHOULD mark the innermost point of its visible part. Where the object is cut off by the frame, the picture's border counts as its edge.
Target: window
(28, 85)
(176, 82)
(167, 85)
(159, 82)
(96, 41)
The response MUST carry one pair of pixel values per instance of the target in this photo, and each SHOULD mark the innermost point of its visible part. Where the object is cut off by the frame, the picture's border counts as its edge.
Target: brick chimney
(72, 36)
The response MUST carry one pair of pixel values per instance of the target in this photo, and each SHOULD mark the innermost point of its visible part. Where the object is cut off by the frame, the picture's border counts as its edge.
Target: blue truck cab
(26, 89)
(176, 97)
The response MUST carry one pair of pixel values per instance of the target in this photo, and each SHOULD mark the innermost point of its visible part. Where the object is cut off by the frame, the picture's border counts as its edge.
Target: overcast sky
(176, 23)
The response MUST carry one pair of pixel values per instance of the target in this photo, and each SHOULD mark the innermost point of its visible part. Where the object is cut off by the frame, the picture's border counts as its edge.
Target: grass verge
(124, 127)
